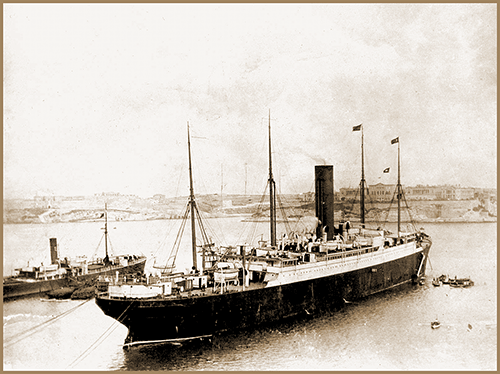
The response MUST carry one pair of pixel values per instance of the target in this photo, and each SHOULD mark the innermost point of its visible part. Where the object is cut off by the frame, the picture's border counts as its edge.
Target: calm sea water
(389, 331)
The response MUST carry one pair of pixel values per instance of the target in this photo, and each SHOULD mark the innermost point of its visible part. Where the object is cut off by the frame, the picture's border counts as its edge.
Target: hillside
(122, 208)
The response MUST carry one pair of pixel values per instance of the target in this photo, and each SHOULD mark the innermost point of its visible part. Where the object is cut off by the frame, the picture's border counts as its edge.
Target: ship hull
(17, 288)
(20, 288)
(162, 319)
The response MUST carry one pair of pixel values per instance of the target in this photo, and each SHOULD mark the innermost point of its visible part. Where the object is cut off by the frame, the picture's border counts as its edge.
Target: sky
(98, 97)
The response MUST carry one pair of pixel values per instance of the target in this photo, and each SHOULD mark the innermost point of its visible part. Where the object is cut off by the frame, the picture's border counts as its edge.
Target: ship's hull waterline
(176, 319)
(19, 288)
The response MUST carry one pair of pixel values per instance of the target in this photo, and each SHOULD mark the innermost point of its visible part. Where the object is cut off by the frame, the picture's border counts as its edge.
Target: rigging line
(98, 245)
(171, 252)
(246, 226)
(389, 209)
(111, 249)
(180, 235)
(408, 210)
(372, 204)
(260, 209)
(179, 182)
(288, 227)
(293, 210)
(178, 239)
(286, 217)
(351, 211)
(163, 242)
(407, 207)
(175, 201)
(35, 329)
(369, 202)
(101, 338)
(211, 230)
(205, 227)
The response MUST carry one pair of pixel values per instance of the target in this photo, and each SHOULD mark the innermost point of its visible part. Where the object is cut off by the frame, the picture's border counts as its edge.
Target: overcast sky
(97, 97)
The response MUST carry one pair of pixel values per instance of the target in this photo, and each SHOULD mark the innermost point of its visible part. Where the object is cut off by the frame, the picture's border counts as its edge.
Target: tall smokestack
(53, 251)
(324, 200)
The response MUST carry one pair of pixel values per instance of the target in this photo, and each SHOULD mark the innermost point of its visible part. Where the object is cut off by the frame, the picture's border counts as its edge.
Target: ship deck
(195, 292)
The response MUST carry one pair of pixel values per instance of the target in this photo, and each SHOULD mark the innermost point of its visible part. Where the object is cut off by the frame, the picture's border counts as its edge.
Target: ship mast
(399, 190)
(192, 204)
(106, 231)
(362, 188)
(363, 182)
(272, 193)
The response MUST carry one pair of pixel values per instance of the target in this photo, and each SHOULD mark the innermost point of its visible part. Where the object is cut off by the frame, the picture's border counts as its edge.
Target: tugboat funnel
(53, 251)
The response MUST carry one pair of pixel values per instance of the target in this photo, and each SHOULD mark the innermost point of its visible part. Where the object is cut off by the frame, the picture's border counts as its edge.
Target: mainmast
(398, 189)
(362, 190)
(362, 183)
(192, 204)
(272, 192)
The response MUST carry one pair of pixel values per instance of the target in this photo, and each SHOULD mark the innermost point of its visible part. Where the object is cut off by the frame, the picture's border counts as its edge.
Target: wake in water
(24, 317)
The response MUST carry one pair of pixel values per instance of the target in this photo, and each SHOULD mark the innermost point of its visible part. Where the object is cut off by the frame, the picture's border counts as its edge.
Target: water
(389, 331)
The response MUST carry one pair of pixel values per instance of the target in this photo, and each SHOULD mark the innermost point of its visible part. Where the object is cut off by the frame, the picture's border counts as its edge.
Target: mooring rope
(8, 342)
(101, 338)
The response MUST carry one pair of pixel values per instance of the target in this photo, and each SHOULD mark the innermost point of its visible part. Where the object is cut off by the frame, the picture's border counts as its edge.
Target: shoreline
(249, 219)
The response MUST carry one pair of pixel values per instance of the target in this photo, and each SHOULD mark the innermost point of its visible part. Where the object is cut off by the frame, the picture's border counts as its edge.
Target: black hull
(161, 319)
(20, 289)
(17, 289)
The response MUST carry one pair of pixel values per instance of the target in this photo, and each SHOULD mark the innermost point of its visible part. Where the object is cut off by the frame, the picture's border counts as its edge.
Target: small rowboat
(436, 282)
(435, 324)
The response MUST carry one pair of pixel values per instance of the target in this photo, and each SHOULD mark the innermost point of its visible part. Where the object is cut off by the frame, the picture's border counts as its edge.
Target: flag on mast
(357, 128)
(395, 140)
(386, 170)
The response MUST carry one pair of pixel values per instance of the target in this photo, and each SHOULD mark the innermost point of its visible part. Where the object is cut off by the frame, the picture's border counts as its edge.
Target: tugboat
(245, 286)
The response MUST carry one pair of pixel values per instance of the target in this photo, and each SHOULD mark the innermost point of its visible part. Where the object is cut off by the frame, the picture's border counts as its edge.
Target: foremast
(192, 212)
(272, 193)
(192, 203)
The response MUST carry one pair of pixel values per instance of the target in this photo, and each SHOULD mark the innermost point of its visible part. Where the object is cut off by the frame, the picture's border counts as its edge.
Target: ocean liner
(246, 286)
(68, 273)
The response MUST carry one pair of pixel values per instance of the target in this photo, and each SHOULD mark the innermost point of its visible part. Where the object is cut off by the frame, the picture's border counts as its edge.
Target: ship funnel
(54, 256)
(324, 200)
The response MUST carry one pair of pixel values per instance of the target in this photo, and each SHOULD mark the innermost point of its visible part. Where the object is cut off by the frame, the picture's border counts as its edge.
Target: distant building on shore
(386, 192)
(375, 193)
